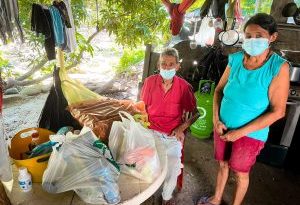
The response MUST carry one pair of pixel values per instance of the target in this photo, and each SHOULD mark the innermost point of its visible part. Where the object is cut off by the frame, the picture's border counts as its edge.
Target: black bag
(54, 114)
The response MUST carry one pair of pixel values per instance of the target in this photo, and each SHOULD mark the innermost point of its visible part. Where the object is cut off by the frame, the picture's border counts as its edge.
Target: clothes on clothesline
(41, 23)
(9, 20)
(61, 6)
(70, 32)
(56, 24)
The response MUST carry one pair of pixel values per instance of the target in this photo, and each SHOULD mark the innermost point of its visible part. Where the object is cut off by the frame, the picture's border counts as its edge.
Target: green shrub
(129, 58)
(5, 67)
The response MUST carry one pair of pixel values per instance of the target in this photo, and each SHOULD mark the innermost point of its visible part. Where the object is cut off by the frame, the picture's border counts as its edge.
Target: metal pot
(295, 74)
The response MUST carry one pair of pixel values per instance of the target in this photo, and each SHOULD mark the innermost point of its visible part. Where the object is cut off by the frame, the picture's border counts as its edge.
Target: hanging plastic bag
(206, 34)
(5, 167)
(133, 146)
(74, 91)
(86, 167)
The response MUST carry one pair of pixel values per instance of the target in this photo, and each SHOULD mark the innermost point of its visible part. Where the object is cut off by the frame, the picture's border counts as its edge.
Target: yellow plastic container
(36, 165)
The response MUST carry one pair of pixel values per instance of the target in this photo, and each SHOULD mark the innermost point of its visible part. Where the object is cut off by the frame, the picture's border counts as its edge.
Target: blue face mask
(255, 46)
(167, 74)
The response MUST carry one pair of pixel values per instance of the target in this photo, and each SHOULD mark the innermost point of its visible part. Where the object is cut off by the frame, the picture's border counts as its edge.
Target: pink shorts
(240, 154)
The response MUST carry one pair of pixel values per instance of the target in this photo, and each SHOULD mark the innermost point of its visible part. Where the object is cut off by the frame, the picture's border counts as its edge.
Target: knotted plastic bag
(84, 165)
(133, 147)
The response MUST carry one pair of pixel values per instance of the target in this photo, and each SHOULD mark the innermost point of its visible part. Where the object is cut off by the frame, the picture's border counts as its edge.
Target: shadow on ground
(268, 185)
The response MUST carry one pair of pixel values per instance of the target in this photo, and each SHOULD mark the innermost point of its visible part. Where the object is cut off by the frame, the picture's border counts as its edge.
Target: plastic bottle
(34, 140)
(109, 187)
(24, 179)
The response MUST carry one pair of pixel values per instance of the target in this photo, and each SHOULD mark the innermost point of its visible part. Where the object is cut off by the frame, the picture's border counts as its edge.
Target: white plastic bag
(80, 165)
(133, 146)
(206, 34)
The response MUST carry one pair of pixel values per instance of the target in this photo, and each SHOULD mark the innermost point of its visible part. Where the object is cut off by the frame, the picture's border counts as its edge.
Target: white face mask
(167, 74)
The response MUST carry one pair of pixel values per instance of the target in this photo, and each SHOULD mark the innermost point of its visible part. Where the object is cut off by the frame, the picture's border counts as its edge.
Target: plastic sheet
(100, 114)
(74, 91)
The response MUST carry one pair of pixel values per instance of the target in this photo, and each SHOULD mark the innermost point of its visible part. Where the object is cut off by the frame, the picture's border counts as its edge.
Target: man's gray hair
(170, 52)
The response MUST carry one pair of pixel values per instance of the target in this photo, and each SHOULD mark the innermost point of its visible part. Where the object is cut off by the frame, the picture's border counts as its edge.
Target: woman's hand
(232, 135)
(220, 127)
(178, 132)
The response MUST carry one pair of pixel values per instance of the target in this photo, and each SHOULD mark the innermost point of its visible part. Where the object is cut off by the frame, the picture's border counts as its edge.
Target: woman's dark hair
(265, 21)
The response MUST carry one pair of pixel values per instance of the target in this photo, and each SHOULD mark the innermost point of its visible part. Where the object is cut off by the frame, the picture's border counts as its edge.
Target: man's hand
(178, 132)
(232, 135)
(220, 127)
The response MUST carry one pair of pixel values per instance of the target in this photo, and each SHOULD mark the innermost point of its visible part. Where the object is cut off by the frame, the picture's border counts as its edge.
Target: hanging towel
(58, 26)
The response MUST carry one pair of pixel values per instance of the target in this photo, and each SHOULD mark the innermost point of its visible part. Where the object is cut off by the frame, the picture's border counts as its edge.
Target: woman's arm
(278, 94)
(218, 95)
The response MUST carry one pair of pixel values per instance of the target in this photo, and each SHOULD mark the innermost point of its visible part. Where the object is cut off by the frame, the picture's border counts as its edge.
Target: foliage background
(133, 24)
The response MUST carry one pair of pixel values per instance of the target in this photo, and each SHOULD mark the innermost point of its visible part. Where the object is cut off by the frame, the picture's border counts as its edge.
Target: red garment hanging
(177, 12)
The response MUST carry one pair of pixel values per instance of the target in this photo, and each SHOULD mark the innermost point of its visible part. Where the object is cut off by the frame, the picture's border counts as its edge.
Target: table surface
(133, 191)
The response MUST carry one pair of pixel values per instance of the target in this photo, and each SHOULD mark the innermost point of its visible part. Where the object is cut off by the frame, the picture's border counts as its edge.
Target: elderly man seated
(169, 99)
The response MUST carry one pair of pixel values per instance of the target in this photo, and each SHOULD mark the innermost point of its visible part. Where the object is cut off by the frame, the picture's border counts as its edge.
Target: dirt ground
(268, 185)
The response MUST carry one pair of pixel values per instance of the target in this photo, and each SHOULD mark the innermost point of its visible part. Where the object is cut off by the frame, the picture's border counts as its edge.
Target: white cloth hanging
(70, 32)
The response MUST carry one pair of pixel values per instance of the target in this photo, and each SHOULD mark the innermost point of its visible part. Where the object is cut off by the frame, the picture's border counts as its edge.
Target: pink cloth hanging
(177, 12)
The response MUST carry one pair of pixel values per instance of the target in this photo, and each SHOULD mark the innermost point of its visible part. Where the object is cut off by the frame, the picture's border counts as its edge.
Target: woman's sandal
(204, 201)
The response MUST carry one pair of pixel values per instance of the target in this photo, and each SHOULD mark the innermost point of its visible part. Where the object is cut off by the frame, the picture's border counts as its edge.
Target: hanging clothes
(70, 32)
(65, 20)
(64, 8)
(61, 6)
(177, 12)
(41, 23)
(217, 7)
(58, 26)
(9, 20)
(238, 11)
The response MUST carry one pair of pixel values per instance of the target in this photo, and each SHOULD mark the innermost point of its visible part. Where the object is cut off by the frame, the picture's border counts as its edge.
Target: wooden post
(147, 61)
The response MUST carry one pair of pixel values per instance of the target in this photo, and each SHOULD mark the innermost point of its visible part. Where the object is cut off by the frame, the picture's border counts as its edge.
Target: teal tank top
(246, 93)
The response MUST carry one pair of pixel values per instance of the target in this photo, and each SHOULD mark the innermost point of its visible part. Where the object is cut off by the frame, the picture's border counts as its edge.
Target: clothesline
(56, 24)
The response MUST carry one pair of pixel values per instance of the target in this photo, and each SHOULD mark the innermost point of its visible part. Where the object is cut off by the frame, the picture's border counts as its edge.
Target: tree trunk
(20, 81)
(34, 69)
